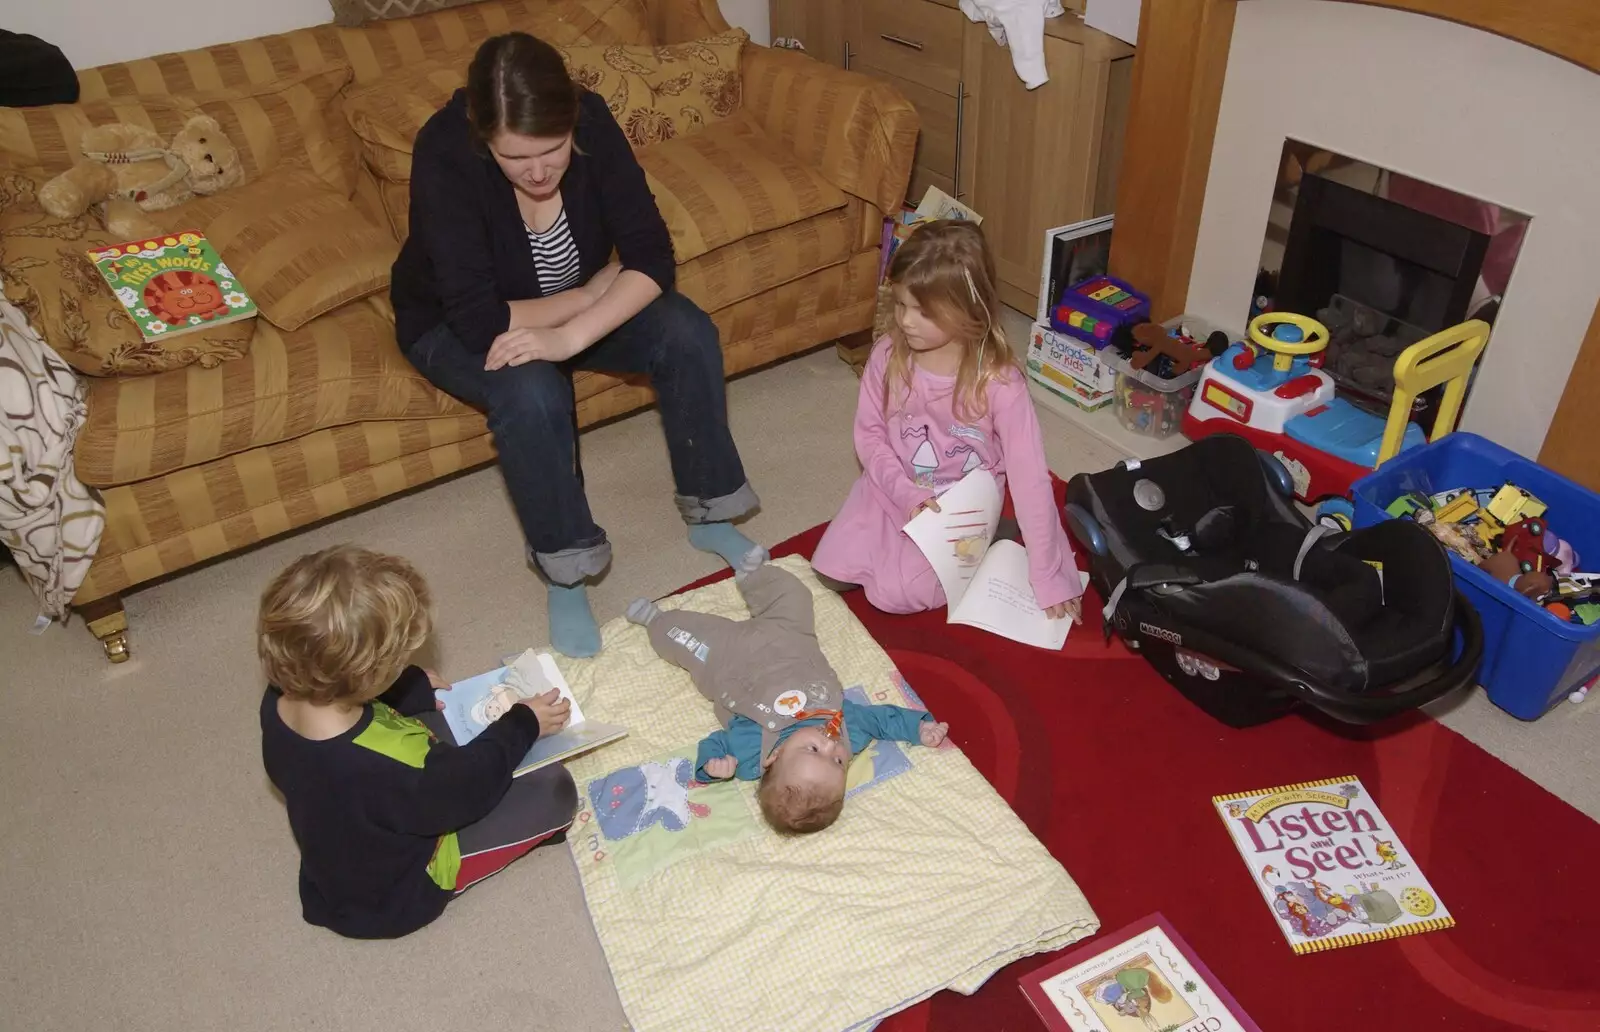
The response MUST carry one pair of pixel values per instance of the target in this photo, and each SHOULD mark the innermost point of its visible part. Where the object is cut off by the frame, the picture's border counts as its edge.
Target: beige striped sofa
(776, 214)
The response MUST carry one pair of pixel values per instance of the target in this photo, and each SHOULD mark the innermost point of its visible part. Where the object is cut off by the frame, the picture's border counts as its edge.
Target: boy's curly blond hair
(341, 623)
(796, 809)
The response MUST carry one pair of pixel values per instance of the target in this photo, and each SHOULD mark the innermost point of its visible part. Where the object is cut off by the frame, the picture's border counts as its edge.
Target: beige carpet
(149, 873)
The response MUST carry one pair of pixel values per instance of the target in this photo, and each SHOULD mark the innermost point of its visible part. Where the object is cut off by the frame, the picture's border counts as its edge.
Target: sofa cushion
(299, 246)
(762, 261)
(297, 117)
(45, 271)
(661, 92)
(337, 369)
(358, 12)
(655, 93)
(729, 182)
(387, 114)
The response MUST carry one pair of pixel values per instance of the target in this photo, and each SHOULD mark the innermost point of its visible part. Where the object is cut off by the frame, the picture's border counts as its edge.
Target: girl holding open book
(942, 395)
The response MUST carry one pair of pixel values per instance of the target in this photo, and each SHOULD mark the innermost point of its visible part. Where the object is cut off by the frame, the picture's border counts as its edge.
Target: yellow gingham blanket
(709, 920)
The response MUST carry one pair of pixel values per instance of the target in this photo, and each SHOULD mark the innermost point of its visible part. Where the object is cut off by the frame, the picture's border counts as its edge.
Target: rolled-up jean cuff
(718, 510)
(571, 565)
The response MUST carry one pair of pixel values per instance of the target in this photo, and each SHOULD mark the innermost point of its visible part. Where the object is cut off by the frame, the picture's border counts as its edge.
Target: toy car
(1271, 390)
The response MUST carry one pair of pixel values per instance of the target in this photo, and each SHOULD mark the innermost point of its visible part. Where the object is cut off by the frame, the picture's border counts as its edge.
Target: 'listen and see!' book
(1330, 865)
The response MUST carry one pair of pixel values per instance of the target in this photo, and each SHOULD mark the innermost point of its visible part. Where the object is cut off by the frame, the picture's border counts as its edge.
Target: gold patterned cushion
(729, 182)
(298, 245)
(386, 115)
(45, 272)
(661, 92)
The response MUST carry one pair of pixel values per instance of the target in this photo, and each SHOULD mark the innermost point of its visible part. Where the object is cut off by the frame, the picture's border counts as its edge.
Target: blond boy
(393, 819)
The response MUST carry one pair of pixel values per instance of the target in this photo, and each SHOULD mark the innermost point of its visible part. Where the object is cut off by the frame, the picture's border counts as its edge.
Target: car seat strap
(1316, 533)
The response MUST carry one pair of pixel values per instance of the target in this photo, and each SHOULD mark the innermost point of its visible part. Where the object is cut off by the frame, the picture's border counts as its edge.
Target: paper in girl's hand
(986, 582)
(956, 536)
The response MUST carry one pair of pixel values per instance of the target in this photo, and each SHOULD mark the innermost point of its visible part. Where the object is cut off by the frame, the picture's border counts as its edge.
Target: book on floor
(1330, 865)
(985, 581)
(474, 704)
(1142, 977)
(172, 284)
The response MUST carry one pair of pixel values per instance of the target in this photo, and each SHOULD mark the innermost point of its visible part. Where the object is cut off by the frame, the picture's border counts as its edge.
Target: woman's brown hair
(518, 83)
(947, 268)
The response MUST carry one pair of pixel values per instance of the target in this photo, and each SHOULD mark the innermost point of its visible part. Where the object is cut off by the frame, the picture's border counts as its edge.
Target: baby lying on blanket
(785, 717)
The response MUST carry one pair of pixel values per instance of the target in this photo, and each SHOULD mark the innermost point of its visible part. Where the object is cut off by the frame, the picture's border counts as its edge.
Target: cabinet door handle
(901, 40)
(847, 55)
(961, 107)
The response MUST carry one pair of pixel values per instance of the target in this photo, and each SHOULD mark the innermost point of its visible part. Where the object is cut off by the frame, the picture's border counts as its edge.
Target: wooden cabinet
(1026, 160)
(818, 24)
(1035, 159)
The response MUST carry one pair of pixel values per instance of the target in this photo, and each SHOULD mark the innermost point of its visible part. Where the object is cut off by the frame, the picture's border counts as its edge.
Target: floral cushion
(661, 92)
(656, 93)
(45, 272)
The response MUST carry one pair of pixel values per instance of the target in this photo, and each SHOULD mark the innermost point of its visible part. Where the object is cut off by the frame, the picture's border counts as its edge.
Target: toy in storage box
(1095, 309)
(1069, 368)
(1145, 401)
(1531, 659)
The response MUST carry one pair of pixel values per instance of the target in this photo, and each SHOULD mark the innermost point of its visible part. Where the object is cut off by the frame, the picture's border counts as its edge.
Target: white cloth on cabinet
(1019, 26)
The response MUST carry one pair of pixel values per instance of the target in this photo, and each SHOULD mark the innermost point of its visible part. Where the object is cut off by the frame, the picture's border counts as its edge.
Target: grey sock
(641, 611)
(750, 562)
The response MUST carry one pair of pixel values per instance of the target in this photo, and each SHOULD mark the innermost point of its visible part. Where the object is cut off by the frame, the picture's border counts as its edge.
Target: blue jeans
(531, 412)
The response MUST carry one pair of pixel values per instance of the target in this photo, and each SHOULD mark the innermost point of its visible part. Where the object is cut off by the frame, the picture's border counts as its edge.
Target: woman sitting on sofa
(522, 186)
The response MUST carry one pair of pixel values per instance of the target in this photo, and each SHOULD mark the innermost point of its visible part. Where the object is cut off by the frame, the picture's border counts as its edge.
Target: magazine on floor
(1330, 865)
(474, 704)
(985, 581)
(1142, 977)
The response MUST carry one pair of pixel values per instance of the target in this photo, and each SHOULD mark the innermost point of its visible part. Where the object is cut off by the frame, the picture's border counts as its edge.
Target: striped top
(555, 256)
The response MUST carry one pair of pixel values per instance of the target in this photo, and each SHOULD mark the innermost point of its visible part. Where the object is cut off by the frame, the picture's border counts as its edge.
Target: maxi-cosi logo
(1160, 632)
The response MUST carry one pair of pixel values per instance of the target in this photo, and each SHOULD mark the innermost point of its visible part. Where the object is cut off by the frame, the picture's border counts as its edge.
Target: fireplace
(1382, 260)
(1436, 102)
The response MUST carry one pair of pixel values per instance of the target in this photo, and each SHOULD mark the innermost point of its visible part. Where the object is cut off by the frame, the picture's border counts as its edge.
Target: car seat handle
(1277, 473)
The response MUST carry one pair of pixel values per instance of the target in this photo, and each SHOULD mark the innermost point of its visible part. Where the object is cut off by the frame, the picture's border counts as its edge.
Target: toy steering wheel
(1306, 337)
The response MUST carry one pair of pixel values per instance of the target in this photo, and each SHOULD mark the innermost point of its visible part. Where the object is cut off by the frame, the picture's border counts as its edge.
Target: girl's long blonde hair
(947, 268)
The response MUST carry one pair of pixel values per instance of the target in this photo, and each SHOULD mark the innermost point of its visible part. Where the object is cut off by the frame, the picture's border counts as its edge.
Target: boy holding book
(392, 818)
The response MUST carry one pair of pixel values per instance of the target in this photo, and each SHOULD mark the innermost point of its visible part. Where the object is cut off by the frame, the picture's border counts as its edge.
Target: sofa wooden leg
(108, 621)
(855, 349)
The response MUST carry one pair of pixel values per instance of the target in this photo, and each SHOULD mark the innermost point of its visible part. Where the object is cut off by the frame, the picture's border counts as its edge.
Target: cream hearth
(1441, 102)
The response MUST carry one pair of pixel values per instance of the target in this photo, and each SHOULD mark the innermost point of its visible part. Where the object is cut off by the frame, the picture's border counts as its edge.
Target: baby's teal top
(742, 737)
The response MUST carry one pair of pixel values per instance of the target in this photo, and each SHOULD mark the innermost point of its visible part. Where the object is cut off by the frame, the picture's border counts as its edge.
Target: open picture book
(474, 704)
(1144, 977)
(985, 581)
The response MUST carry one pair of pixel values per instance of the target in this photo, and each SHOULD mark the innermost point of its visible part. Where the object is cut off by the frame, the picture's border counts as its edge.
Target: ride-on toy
(1272, 391)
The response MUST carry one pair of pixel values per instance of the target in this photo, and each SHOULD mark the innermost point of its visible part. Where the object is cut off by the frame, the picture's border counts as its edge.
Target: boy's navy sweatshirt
(376, 809)
(467, 253)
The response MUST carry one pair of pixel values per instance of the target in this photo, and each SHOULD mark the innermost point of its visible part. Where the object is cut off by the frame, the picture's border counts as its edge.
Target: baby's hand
(932, 734)
(932, 503)
(721, 768)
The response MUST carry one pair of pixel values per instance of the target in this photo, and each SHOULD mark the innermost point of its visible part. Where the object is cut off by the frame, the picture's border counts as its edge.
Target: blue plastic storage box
(1531, 660)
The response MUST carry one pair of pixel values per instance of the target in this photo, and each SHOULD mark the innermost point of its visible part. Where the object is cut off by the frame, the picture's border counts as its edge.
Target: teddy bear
(130, 170)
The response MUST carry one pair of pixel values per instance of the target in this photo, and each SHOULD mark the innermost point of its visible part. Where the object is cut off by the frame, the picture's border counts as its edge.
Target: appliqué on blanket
(646, 817)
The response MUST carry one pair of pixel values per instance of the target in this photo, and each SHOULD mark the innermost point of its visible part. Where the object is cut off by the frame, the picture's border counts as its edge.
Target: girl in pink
(941, 396)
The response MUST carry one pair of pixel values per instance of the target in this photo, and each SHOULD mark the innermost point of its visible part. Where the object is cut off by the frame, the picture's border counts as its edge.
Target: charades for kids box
(1069, 368)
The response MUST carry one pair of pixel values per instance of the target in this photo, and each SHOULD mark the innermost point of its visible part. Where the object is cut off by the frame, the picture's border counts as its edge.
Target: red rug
(1114, 772)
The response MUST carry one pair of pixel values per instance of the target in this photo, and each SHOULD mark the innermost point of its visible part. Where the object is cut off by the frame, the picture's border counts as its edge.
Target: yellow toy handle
(1283, 352)
(1447, 357)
